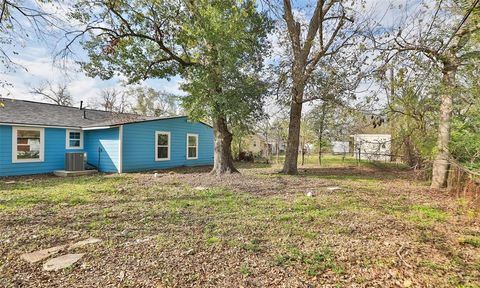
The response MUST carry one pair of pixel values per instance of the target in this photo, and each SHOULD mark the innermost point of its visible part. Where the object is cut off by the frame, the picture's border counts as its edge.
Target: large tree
(113, 100)
(216, 46)
(108, 99)
(411, 112)
(466, 123)
(151, 102)
(448, 42)
(328, 32)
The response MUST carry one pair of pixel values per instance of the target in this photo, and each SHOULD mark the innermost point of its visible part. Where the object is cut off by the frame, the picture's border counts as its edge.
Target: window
(27, 144)
(162, 146)
(192, 146)
(74, 139)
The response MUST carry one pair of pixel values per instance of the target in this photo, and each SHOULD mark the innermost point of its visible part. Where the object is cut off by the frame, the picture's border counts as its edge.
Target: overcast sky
(37, 59)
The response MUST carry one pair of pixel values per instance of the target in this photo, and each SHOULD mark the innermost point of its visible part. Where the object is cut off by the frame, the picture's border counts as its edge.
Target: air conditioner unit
(74, 161)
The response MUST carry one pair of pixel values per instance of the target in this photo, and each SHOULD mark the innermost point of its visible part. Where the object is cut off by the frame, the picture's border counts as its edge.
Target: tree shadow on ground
(360, 172)
(252, 165)
(181, 170)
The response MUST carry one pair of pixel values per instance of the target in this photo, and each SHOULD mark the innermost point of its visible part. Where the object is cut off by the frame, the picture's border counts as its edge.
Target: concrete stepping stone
(39, 255)
(62, 262)
(85, 242)
(42, 254)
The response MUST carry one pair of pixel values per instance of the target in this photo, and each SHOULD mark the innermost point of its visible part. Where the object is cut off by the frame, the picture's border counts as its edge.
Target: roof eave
(39, 125)
(99, 127)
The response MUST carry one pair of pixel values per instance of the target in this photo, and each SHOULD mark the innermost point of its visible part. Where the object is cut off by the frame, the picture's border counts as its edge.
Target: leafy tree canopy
(216, 46)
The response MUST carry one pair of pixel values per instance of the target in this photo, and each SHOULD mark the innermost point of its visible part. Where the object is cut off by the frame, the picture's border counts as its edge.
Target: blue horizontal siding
(102, 149)
(138, 148)
(139, 144)
(54, 157)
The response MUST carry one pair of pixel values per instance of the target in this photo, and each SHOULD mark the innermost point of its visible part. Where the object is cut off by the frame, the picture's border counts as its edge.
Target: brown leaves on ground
(187, 228)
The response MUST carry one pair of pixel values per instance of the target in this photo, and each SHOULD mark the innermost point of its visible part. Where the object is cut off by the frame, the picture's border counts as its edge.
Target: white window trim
(67, 139)
(156, 145)
(196, 137)
(14, 145)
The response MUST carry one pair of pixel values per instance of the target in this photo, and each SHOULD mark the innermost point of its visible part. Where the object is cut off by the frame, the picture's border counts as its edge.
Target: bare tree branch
(57, 94)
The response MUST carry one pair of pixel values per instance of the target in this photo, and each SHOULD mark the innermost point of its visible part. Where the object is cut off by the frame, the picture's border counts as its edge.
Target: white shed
(372, 146)
(340, 147)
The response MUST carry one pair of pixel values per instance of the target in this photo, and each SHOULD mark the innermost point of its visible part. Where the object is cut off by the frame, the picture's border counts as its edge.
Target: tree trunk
(223, 160)
(320, 136)
(278, 151)
(303, 151)
(239, 147)
(291, 155)
(441, 164)
(268, 147)
(320, 150)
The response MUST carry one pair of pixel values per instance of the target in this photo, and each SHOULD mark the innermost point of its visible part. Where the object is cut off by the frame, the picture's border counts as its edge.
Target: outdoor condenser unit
(74, 161)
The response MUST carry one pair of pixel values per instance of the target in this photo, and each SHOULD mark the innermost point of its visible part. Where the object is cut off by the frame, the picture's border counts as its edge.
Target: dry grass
(255, 229)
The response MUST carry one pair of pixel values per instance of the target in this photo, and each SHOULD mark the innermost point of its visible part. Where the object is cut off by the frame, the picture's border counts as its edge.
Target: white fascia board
(97, 128)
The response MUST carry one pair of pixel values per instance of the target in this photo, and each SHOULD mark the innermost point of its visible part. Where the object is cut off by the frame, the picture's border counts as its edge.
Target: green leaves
(465, 146)
(217, 47)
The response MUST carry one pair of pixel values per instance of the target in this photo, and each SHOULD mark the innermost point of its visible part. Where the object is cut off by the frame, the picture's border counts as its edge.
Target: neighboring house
(340, 147)
(279, 147)
(258, 145)
(372, 146)
(34, 138)
(308, 147)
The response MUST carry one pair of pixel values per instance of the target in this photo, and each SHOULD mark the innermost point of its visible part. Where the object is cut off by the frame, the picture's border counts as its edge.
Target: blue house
(34, 138)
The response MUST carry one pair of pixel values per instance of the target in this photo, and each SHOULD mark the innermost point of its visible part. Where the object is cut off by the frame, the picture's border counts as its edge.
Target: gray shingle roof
(44, 114)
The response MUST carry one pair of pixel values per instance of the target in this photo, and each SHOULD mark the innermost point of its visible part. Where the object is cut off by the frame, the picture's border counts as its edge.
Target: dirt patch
(272, 185)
